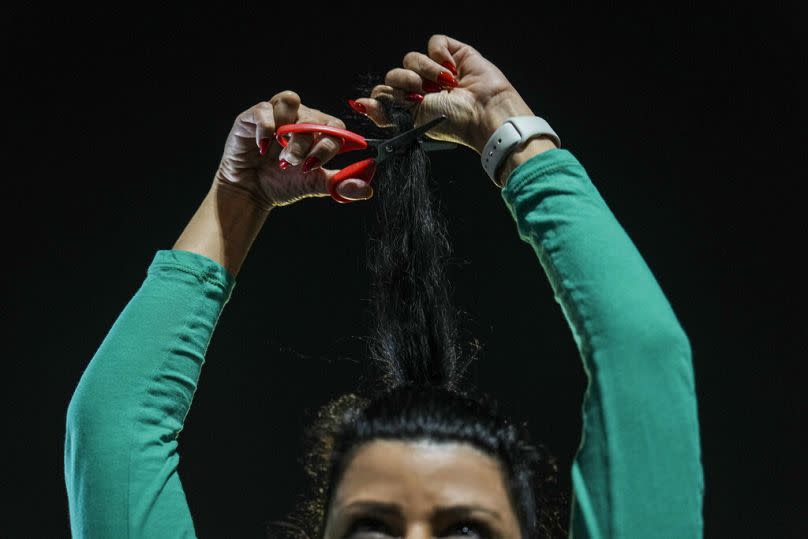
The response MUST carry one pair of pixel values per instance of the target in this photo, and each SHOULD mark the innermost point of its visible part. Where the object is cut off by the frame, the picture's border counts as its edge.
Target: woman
(420, 457)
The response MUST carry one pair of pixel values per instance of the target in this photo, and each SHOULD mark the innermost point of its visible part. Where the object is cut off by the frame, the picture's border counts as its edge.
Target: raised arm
(126, 413)
(638, 470)
(125, 416)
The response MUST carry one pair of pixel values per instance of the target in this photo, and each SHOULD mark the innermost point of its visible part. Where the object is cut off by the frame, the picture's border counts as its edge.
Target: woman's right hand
(475, 104)
(244, 168)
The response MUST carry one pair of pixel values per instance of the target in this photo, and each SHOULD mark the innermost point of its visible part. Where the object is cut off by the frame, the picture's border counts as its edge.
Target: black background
(689, 123)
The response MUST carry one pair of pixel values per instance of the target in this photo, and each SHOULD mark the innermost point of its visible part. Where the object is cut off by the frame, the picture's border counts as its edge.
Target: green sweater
(637, 471)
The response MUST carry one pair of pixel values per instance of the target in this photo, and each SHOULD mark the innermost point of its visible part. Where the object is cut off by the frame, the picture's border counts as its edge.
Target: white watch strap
(513, 132)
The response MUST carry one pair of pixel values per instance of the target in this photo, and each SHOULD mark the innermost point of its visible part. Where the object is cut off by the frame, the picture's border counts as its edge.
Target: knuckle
(248, 113)
(436, 38)
(300, 143)
(411, 58)
(263, 120)
(335, 122)
(392, 74)
(378, 90)
(289, 97)
(329, 145)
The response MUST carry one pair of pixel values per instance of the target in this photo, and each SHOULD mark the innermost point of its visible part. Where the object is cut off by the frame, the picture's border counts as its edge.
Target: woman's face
(420, 490)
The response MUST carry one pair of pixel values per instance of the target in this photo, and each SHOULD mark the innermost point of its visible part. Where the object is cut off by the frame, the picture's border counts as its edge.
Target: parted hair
(417, 389)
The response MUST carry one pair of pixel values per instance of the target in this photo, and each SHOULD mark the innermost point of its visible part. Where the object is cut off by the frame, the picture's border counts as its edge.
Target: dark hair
(417, 391)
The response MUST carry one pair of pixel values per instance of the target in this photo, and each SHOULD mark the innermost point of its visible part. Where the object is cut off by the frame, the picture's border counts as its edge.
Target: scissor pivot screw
(388, 148)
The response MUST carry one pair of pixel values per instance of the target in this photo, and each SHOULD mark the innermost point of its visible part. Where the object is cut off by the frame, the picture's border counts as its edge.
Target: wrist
(224, 226)
(237, 190)
(495, 112)
(533, 147)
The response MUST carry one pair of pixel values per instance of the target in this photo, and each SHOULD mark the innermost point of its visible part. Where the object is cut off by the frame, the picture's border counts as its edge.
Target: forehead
(418, 475)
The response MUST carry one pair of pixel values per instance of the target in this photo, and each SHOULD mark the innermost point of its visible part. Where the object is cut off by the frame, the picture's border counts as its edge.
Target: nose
(419, 530)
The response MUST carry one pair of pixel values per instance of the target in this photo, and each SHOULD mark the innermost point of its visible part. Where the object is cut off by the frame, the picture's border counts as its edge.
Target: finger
(429, 69)
(323, 151)
(355, 189)
(383, 91)
(285, 106)
(373, 110)
(296, 149)
(399, 96)
(316, 184)
(404, 79)
(318, 148)
(370, 107)
(443, 48)
(264, 125)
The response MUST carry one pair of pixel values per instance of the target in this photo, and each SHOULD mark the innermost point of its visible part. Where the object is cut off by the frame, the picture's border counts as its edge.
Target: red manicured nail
(283, 164)
(414, 96)
(310, 163)
(263, 144)
(430, 87)
(446, 79)
(358, 107)
(450, 66)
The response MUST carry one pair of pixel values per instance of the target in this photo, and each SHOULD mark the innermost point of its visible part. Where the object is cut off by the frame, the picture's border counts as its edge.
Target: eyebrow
(394, 510)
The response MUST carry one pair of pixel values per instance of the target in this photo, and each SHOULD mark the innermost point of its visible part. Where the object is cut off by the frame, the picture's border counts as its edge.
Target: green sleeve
(637, 471)
(125, 415)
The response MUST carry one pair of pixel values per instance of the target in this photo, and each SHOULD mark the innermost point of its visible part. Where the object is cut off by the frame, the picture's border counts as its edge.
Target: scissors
(365, 169)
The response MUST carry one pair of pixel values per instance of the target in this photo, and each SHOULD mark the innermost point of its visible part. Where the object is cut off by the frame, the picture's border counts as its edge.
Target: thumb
(355, 189)
(351, 188)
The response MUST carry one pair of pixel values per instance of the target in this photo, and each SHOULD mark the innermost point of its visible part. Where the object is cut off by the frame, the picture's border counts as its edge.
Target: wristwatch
(513, 132)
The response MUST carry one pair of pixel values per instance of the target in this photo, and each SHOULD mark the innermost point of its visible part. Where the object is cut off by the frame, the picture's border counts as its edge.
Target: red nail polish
(430, 87)
(446, 79)
(263, 144)
(358, 107)
(283, 164)
(414, 96)
(310, 163)
(450, 66)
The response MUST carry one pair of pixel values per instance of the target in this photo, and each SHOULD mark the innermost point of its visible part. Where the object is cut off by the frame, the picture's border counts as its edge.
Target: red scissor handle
(351, 141)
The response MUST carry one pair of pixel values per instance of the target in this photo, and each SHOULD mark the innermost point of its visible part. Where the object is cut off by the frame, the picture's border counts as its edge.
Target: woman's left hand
(473, 95)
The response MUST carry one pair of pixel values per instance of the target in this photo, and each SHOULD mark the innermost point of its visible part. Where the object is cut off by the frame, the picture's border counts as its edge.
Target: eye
(469, 529)
(368, 526)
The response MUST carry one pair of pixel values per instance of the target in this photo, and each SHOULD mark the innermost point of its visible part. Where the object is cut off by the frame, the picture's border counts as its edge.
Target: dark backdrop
(688, 123)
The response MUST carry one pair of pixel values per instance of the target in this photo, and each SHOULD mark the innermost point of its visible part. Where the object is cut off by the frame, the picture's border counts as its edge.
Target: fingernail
(414, 96)
(430, 87)
(283, 164)
(446, 79)
(356, 192)
(263, 144)
(450, 66)
(290, 156)
(310, 163)
(358, 107)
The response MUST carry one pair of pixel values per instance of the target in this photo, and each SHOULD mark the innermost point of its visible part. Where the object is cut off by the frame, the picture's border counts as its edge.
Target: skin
(475, 108)
(425, 488)
(248, 186)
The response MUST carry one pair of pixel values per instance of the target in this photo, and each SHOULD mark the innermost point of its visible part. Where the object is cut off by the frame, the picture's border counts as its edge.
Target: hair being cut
(417, 390)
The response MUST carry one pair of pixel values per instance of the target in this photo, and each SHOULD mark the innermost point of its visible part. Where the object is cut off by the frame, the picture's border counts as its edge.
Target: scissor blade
(391, 146)
(437, 145)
